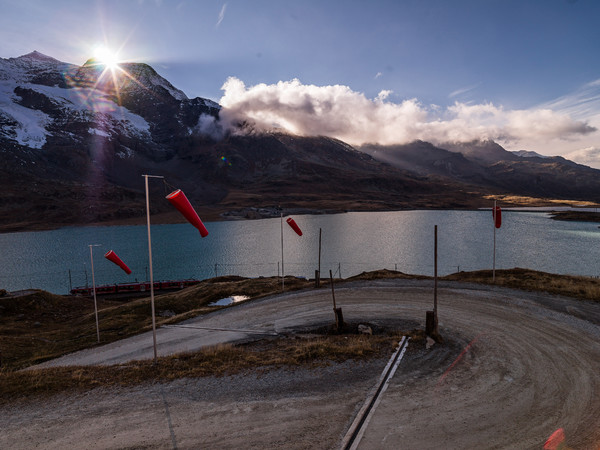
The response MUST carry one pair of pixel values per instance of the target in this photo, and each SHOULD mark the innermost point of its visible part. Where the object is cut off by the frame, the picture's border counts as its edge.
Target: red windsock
(112, 256)
(180, 201)
(497, 216)
(292, 223)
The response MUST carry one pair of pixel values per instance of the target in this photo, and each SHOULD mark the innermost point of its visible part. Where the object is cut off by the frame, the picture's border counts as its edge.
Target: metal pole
(435, 275)
(150, 263)
(282, 271)
(94, 289)
(494, 263)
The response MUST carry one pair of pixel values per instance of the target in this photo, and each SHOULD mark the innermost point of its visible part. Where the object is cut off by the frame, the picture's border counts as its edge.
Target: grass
(42, 326)
(216, 361)
(586, 288)
(519, 200)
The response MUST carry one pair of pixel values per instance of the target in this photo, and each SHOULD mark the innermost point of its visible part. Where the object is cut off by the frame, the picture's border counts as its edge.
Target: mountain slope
(76, 140)
(487, 166)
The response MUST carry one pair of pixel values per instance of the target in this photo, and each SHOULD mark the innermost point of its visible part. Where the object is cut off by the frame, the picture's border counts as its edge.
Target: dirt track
(515, 367)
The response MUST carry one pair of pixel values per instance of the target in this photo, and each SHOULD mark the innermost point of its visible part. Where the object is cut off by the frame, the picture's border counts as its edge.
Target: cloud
(338, 111)
(463, 90)
(221, 15)
(583, 102)
(208, 125)
(589, 156)
(378, 75)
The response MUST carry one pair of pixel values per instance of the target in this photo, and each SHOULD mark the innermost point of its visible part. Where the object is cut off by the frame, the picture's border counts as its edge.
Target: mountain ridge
(75, 141)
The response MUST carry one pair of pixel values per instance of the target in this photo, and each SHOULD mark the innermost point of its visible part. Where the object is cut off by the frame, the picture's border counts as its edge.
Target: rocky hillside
(76, 140)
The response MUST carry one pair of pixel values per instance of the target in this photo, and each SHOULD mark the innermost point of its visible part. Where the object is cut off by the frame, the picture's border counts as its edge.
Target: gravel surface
(515, 366)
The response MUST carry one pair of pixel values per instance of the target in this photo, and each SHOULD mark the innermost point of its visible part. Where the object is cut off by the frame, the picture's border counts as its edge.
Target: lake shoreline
(269, 212)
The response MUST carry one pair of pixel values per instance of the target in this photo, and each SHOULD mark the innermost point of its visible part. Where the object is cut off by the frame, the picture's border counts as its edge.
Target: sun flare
(106, 57)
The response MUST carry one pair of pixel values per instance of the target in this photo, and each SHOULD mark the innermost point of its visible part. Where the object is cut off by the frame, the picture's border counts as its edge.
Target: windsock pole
(150, 263)
(282, 271)
(94, 289)
(494, 263)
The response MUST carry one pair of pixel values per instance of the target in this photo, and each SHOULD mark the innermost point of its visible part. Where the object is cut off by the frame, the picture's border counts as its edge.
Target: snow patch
(125, 153)
(27, 126)
(175, 93)
(98, 132)
(529, 154)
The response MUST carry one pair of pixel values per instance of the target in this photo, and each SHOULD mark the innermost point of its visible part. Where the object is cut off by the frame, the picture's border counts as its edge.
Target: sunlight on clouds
(338, 111)
(589, 156)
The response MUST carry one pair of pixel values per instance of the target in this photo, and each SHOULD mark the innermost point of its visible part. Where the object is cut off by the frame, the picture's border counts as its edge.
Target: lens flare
(106, 57)
(556, 441)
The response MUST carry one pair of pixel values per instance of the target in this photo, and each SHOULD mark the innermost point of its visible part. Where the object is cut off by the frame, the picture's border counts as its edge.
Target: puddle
(229, 300)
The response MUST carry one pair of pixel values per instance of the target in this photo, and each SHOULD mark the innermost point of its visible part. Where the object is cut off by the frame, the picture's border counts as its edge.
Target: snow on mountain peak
(37, 56)
(529, 154)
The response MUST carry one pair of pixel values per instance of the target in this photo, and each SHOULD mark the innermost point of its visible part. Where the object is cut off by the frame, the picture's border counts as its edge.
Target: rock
(364, 329)
(429, 343)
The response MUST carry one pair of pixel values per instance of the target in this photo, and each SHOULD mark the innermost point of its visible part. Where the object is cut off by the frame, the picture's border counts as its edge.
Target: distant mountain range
(76, 140)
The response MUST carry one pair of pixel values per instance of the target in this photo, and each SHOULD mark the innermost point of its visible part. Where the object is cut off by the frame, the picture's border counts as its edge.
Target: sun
(106, 57)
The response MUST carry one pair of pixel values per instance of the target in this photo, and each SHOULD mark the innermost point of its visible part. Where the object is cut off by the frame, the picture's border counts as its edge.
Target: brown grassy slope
(587, 288)
(42, 326)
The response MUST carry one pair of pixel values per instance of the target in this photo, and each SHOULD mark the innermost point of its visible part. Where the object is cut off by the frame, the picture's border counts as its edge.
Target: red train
(124, 288)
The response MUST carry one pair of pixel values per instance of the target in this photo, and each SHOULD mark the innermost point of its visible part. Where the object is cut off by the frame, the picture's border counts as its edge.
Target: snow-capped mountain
(45, 101)
(76, 140)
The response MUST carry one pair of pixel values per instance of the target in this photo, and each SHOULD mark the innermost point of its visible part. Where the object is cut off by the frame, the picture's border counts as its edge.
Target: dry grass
(519, 200)
(217, 361)
(587, 288)
(42, 326)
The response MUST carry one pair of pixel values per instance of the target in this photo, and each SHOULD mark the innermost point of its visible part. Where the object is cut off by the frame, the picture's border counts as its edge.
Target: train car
(124, 288)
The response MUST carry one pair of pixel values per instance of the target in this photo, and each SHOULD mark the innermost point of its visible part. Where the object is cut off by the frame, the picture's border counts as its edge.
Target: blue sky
(436, 69)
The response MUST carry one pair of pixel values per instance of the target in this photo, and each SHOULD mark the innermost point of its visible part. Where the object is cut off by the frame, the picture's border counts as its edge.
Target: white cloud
(221, 15)
(463, 90)
(340, 112)
(589, 156)
(583, 102)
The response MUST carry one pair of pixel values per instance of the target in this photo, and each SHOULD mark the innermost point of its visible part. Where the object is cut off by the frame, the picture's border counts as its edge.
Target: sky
(524, 73)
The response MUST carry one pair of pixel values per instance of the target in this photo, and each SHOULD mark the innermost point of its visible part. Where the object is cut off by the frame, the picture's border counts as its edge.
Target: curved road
(515, 367)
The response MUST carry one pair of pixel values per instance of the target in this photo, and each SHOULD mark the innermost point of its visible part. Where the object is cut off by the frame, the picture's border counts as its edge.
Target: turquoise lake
(351, 243)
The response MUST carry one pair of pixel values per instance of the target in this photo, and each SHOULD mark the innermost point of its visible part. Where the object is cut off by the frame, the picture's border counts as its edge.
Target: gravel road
(515, 367)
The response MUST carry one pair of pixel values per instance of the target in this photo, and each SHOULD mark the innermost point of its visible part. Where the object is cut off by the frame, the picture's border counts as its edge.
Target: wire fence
(63, 281)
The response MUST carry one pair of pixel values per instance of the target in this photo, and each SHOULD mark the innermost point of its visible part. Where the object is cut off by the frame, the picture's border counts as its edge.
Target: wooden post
(339, 317)
(316, 279)
(318, 276)
(332, 291)
(429, 323)
(435, 280)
